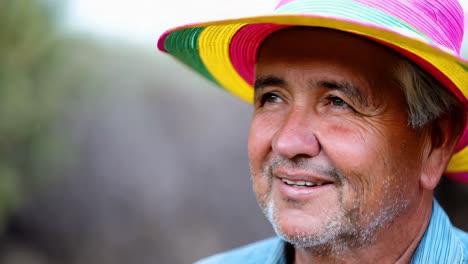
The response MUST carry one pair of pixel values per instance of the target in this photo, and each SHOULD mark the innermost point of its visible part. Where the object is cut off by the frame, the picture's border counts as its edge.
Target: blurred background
(111, 152)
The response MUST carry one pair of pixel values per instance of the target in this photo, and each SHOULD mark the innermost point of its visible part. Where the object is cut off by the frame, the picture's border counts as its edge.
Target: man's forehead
(317, 41)
(329, 57)
(305, 46)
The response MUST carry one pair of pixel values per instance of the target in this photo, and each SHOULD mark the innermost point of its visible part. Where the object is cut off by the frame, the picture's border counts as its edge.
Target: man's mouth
(303, 183)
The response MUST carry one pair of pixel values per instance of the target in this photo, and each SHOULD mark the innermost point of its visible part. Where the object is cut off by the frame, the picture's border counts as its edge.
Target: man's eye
(270, 98)
(336, 101)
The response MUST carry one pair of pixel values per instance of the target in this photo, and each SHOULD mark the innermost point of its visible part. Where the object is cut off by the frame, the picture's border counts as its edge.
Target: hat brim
(225, 53)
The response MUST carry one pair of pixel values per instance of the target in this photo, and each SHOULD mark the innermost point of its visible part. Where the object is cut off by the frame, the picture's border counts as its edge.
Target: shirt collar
(278, 252)
(439, 244)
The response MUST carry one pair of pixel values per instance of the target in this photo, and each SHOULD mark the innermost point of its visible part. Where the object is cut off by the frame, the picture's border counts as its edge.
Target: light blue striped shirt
(441, 243)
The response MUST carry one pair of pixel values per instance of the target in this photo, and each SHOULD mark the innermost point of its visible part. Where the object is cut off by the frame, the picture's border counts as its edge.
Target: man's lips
(300, 178)
(301, 190)
(303, 183)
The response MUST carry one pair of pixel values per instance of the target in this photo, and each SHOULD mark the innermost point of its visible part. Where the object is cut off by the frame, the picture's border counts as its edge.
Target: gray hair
(427, 99)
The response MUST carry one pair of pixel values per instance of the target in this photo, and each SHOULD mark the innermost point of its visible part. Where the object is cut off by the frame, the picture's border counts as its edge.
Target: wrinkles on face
(338, 115)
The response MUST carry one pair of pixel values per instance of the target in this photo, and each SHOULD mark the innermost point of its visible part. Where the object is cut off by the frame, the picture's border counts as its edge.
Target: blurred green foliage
(31, 95)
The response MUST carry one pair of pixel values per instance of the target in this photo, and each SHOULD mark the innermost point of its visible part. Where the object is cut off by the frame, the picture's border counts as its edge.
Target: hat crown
(442, 21)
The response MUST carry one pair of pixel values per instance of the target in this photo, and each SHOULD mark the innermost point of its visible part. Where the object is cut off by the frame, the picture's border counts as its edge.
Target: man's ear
(438, 151)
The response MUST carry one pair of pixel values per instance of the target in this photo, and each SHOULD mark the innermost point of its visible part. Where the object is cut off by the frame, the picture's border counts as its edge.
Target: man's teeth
(302, 183)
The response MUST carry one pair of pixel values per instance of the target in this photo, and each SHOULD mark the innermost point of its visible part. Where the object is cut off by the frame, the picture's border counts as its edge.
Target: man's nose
(297, 136)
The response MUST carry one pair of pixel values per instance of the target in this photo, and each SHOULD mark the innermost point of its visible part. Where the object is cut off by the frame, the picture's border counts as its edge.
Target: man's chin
(293, 229)
(307, 230)
(297, 221)
(301, 230)
(303, 238)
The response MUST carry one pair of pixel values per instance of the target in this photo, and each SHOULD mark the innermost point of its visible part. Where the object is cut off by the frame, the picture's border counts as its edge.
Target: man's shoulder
(258, 252)
(463, 236)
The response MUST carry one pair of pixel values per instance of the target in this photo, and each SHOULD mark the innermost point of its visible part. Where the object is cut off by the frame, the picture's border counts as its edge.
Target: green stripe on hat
(183, 45)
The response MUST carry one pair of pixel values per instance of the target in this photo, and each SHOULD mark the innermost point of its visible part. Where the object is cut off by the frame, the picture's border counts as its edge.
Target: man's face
(332, 158)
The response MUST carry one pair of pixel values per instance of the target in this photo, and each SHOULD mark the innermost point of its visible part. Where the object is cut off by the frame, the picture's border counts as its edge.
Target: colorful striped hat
(428, 32)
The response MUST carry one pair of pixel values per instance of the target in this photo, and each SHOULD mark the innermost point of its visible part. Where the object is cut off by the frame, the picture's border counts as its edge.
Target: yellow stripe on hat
(459, 162)
(216, 58)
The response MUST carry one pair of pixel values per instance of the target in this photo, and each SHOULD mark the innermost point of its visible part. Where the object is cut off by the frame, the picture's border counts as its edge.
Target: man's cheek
(259, 144)
(261, 188)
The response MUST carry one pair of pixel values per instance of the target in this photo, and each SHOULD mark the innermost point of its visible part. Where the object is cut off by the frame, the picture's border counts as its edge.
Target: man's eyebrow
(347, 88)
(268, 80)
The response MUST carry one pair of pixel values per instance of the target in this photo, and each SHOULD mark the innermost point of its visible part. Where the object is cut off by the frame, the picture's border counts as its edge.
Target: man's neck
(396, 243)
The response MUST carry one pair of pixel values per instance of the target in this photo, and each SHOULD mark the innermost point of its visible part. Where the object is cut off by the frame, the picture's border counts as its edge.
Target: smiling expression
(332, 158)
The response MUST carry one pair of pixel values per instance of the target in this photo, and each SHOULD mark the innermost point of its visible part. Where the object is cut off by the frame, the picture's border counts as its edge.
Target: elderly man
(359, 107)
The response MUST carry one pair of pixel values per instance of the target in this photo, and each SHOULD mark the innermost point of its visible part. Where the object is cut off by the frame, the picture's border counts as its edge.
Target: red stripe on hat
(161, 40)
(460, 176)
(245, 45)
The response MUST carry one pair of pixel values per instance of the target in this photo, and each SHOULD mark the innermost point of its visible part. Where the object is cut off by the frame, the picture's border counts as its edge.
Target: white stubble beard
(340, 233)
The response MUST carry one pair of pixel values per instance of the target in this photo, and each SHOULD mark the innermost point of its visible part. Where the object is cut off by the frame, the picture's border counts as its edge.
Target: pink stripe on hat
(448, 15)
(282, 3)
